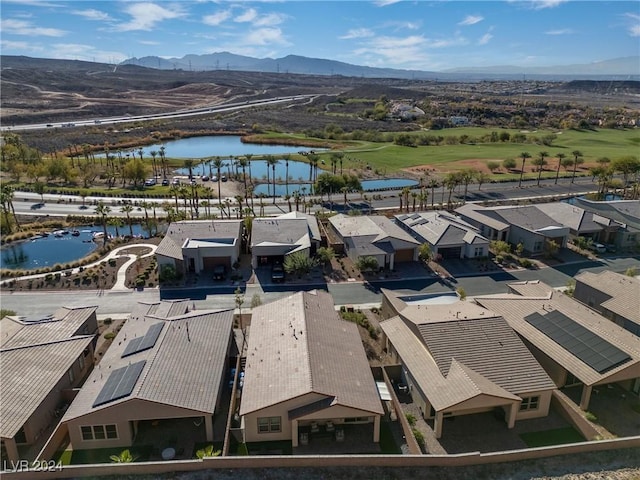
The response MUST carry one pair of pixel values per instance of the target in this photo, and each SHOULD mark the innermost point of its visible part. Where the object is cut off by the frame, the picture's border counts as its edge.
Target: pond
(61, 248)
(305, 188)
(223, 146)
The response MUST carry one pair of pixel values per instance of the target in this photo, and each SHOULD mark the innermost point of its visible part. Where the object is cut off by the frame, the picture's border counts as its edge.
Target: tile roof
(280, 231)
(64, 323)
(515, 307)
(205, 230)
(28, 374)
(299, 345)
(441, 229)
(623, 290)
(375, 227)
(184, 367)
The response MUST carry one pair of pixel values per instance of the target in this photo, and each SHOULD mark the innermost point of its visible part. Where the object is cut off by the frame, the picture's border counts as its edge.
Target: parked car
(205, 178)
(219, 272)
(175, 181)
(223, 178)
(598, 248)
(611, 248)
(165, 182)
(149, 182)
(277, 273)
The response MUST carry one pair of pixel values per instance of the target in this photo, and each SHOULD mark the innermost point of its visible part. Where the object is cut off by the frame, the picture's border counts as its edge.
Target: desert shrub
(418, 436)
(525, 262)
(109, 336)
(411, 418)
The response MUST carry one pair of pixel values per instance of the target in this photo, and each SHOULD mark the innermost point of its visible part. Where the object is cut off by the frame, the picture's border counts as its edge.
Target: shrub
(418, 436)
(109, 336)
(591, 417)
(108, 321)
(411, 418)
(525, 262)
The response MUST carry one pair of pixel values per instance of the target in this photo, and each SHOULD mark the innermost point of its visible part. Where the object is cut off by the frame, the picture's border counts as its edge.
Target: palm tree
(188, 163)
(560, 158)
(433, 184)
(163, 161)
(217, 162)
(127, 209)
(524, 156)
(466, 177)
(117, 223)
(273, 162)
(153, 154)
(249, 156)
(6, 199)
(541, 163)
(103, 211)
(124, 457)
(577, 157)
(286, 172)
(242, 162)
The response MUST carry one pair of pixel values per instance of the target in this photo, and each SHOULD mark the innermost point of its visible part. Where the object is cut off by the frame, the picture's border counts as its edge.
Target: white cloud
(23, 27)
(247, 16)
(269, 20)
(8, 45)
(146, 15)
(384, 3)
(560, 31)
(217, 18)
(541, 4)
(357, 33)
(634, 29)
(77, 51)
(486, 38)
(265, 36)
(471, 20)
(92, 14)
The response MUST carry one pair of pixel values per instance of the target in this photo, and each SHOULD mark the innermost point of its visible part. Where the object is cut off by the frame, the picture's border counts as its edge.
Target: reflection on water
(59, 247)
(306, 188)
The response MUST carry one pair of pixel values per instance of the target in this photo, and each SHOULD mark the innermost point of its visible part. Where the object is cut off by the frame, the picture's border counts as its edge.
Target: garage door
(210, 262)
(450, 252)
(405, 255)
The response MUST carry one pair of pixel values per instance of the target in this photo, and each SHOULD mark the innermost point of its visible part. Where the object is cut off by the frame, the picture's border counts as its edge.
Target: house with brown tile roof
(165, 363)
(374, 236)
(198, 246)
(575, 345)
(43, 359)
(305, 366)
(613, 295)
(459, 358)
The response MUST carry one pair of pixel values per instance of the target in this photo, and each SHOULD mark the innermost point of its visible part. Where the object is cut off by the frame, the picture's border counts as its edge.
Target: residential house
(613, 295)
(198, 246)
(272, 239)
(166, 363)
(574, 344)
(43, 359)
(448, 235)
(526, 225)
(305, 367)
(374, 236)
(581, 222)
(624, 212)
(460, 359)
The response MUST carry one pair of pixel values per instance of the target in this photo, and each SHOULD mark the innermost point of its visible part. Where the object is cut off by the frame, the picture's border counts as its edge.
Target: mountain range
(624, 68)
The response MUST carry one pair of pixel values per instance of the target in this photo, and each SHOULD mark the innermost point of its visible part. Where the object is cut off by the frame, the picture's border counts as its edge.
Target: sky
(419, 34)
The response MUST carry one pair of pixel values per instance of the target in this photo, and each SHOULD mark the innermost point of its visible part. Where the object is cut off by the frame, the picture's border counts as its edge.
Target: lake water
(223, 146)
(367, 186)
(47, 251)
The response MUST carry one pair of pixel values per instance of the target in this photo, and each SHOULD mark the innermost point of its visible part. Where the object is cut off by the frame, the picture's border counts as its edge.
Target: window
(72, 375)
(99, 432)
(529, 403)
(81, 362)
(538, 246)
(269, 424)
(478, 252)
(357, 419)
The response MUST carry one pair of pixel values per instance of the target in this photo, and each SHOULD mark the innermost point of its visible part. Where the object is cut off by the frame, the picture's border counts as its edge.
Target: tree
(560, 156)
(627, 166)
(466, 177)
(493, 166)
(135, 171)
(39, 188)
(188, 164)
(424, 252)
(217, 162)
(117, 223)
(127, 209)
(6, 199)
(239, 299)
(540, 162)
(299, 263)
(272, 162)
(577, 159)
(482, 177)
(509, 163)
(103, 211)
(524, 156)
(123, 457)
(325, 255)
(208, 451)
(367, 264)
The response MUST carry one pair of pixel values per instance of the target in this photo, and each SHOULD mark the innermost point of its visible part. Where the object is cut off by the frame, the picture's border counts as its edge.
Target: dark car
(219, 272)
(165, 182)
(37, 206)
(277, 273)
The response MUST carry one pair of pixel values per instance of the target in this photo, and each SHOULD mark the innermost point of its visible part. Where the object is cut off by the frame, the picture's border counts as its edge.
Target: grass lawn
(387, 443)
(557, 436)
(102, 455)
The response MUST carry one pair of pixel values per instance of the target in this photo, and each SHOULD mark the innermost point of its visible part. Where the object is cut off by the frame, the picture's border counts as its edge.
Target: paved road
(348, 293)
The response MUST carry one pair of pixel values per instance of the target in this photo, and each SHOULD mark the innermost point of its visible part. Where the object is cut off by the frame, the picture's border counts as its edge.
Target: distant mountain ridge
(618, 68)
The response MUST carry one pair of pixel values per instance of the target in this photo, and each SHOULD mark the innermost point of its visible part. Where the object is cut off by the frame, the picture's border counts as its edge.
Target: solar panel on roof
(141, 344)
(593, 350)
(120, 383)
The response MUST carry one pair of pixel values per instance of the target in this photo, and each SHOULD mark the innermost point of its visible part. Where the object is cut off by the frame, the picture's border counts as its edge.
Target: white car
(598, 248)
